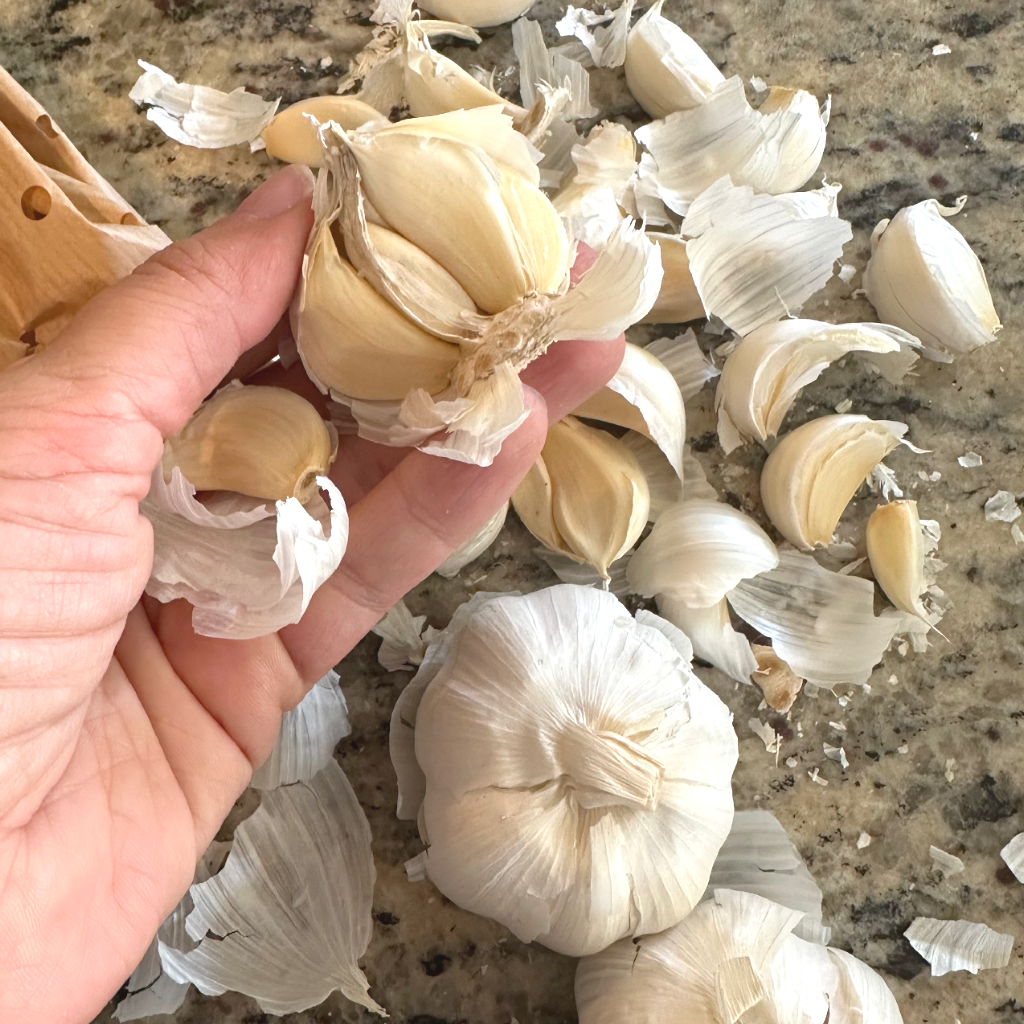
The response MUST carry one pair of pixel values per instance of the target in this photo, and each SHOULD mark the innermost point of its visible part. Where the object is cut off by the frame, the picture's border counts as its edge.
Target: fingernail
(276, 195)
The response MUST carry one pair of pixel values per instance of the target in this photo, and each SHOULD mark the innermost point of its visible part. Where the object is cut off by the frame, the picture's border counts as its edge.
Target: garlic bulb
(262, 441)
(585, 496)
(925, 278)
(293, 137)
(576, 773)
(809, 479)
(678, 300)
(734, 959)
(763, 375)
(478, 13)
(896, 550)
(665, 69)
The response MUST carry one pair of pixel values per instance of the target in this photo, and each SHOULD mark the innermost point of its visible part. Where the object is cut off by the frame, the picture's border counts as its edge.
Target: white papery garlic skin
(810, 477)
(577, 773)
(925, 278)
(734, 960)
(665, 69)
(763, 375)
(478, 13)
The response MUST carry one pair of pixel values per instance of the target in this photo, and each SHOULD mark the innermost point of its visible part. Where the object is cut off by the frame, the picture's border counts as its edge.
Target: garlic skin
(585, 496)
(576, 772)
(478, 13)
(764, 374)
(896, 551)
(292, 136)
(665, 69)
(678, 300)
(265, 442)
(925, 278)
(810, 477)
(733, 959)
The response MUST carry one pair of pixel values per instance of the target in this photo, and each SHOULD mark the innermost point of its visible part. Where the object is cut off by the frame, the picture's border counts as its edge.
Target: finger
(161, 339)
(400, 533)
(571, 371)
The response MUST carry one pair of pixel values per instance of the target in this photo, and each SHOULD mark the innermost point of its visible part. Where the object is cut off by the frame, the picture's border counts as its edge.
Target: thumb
(155, 344)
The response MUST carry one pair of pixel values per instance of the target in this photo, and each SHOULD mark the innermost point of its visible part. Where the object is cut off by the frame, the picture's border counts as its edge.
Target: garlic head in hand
(577, 774)
(925, 278)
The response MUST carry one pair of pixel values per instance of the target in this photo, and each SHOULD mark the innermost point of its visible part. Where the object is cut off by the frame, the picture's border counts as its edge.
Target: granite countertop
(906, 125)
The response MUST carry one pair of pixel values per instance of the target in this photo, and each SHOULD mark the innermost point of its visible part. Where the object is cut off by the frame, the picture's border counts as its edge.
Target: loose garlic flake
(665, 69)
(604, 35)
(734, 958)
(810, 477)
(925, 278)
(576, 773)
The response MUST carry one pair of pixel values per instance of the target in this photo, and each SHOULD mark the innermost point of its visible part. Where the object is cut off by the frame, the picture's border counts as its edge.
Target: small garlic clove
(765, 372)
(261, 441)
(478, 13)
(678, 300)
(665, 69)
(356, 344)
(896, 551)
(795, 127)
(924, 277)
(596, 494)
(810, 477)
(292, 137)
(778, 682)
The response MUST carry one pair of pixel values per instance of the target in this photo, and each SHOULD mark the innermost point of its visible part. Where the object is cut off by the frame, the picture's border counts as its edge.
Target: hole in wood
(45, 125)
(35, 202)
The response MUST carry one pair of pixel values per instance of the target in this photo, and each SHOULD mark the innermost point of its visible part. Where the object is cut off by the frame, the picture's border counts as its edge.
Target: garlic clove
(643, 396)
(778, 682)
(292, 137)
(665, 69)
(698, 551)
(765, 372)
(534, 502)
(794, 124)
(261, 441)
(544, 245)
(896, 551)
(924, 277)
(354, 343)
(711, 632)
(810, 477)
(478, 13)
(678, 300)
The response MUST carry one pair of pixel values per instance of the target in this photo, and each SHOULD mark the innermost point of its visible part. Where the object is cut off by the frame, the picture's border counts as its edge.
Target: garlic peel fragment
(678, 299)
(814, 471)
(604, 35)
(711, 632)
(958, 945)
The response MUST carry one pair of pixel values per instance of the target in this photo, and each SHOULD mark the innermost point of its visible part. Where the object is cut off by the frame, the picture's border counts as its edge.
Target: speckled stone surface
(906, 125)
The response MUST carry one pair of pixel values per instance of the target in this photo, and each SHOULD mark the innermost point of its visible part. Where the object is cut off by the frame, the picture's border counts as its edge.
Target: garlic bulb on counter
(733, 960)
(574, 774)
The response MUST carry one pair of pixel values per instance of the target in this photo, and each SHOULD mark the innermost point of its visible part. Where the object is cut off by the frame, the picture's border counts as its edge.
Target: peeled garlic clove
(765, 372)
(597, 491)
(698, 551)
(262, 441)
(678, 300)
(643, 396)
(896, 552)
(291, 136)
(925, 278)
(478, 13)
(665, 69)
(353, 342)
(809, 479)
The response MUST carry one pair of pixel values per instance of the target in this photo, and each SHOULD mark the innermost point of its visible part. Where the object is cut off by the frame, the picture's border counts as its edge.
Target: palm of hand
(125, 737)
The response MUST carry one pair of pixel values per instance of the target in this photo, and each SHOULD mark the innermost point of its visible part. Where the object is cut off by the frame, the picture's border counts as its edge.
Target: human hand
(125, 737)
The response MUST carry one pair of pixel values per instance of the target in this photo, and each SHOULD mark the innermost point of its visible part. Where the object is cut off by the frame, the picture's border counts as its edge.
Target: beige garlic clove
(478, 13)
(355, 343)
(896, 551)
(665, 69)
(678, 300)
(589, 499)
(261, 441)
(778, 682)
(809, 479)
(292, 137)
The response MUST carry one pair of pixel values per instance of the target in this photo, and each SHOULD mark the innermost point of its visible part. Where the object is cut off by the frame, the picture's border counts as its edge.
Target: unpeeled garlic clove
(678, 300)
(261, 441)
(763, 375)
(809, 479)
(586, 497)
(778, 682)
(478, 13)
(293, 138)
(896, 551)
(665, 69)
(925, 278)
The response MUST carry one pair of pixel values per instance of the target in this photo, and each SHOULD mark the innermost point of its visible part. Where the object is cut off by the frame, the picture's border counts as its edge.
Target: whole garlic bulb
(734, 960)
(925, 278)
(576, 774)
